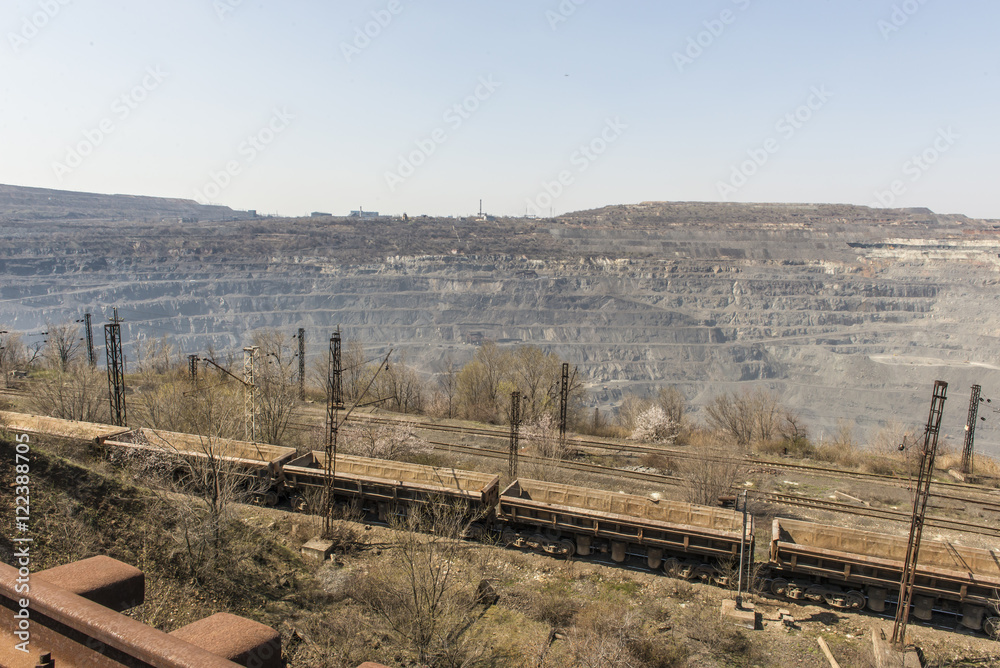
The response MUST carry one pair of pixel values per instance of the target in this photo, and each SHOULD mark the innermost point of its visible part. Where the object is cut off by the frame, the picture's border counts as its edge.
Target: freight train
(844, 568)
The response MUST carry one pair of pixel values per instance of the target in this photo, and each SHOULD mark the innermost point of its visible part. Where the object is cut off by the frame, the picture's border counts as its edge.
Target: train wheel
(299, 503)
(567, 548)
(508, 537)
(992, 627)
(672, 567)
(779, 586)
(855, 600)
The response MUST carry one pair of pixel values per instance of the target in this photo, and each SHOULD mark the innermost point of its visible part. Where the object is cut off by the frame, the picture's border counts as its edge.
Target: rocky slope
(848, 313)
(20, 204)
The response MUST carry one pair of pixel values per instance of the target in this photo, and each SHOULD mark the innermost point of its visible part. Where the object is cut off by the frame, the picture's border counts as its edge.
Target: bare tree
(425, 594)
(62, 347)
(750, 418)
(673, 403)
(155, 356)
(537, 375)
(14, 354)
(400, 386)
(356, 370)
(77, 394)
(447, 374)
(203, 464)
(711, 472)
(278, 393)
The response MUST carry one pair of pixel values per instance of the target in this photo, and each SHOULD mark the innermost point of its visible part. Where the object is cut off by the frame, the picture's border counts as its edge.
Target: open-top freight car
(259, 465)
(385, 487)
(847, 568)
(50, 426)
(688, 541)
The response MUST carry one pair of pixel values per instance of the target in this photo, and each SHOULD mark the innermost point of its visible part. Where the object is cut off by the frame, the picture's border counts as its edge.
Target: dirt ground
(685, 615)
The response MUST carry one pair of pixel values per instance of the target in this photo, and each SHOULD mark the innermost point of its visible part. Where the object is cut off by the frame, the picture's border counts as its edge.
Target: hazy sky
(426, 107)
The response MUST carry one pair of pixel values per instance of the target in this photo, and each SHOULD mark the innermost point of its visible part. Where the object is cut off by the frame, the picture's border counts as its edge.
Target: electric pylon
(116, 370)
(922, 492)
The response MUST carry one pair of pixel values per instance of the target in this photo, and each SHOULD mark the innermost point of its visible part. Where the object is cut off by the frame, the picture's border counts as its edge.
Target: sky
(534, 108)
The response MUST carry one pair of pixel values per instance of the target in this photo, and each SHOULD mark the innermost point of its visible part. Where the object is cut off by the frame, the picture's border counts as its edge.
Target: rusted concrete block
(238, 639)
(317, 548)
(745, 617)
(101, 579)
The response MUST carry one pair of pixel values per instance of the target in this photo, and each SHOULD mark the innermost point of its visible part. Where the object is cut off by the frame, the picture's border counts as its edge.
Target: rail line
(770, 497)
(992, 502)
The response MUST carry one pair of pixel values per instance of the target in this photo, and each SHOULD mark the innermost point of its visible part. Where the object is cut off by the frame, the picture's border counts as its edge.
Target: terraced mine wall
(848, 313)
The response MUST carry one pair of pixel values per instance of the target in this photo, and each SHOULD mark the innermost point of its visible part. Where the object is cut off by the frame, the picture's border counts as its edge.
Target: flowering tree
(653, 425)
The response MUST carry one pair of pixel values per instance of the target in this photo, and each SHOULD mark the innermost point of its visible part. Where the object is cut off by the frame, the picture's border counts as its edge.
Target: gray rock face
(848, 313)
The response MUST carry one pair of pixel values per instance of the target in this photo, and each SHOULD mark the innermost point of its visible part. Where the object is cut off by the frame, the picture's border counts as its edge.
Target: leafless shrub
(62, 346)
(81, 393)
(748, 418)
(614, 636)
(277, 389)
(711, 472)
(425, 593)
(542, 435)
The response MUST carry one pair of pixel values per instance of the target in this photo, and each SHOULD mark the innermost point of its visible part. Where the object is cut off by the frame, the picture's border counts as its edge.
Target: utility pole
(922, 492)
(744, 567)
(250, 393)
(563, 400)
(302, 364)
(970, 430)
(116, 370)
(334, 404)
(515, 425)
(88, 328)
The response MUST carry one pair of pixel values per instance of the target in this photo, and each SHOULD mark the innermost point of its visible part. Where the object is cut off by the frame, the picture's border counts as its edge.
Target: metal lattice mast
(922, 492)
(193, 368)
(515, 425)
(116, 370)
(970, 430)
(563, 401)
(334, 403)
(90, 340)
(250, 393)
(302, 364)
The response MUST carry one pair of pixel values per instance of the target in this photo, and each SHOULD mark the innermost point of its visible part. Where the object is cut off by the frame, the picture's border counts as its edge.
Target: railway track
(985, 499)
(770, 497)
